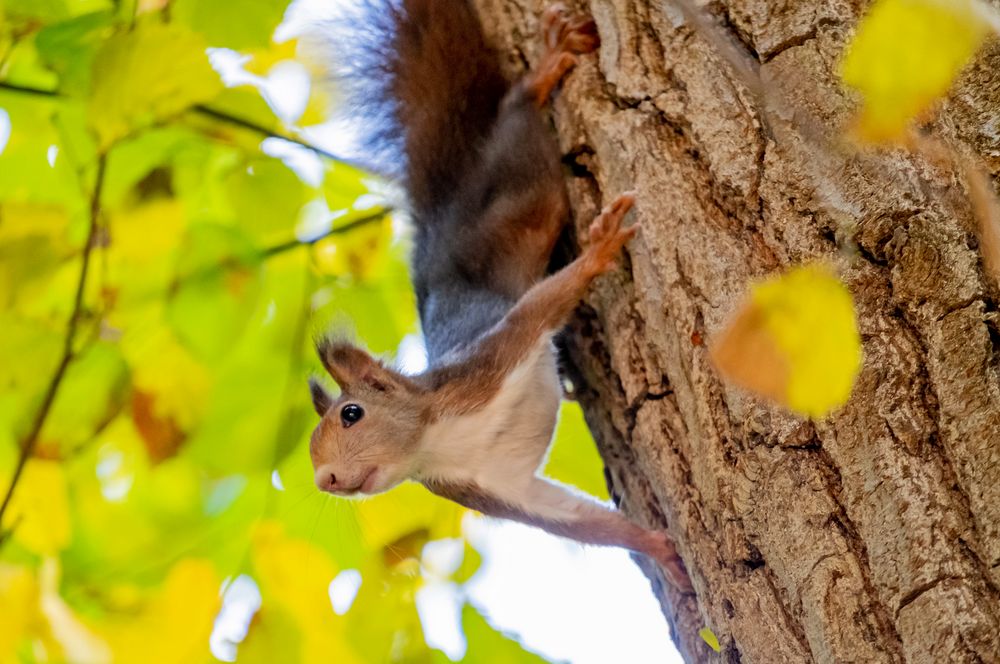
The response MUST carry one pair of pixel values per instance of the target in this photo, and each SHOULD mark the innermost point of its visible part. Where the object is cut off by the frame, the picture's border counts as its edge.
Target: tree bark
(869, 536)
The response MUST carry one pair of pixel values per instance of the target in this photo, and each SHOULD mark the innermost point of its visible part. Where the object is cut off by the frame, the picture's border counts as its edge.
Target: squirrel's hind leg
(565, 36)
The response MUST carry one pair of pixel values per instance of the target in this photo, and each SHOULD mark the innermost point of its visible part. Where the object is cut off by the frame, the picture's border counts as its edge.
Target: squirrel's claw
(607, 237)
(570, 33)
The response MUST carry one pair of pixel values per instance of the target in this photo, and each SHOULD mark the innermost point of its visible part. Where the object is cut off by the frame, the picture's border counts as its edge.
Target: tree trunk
(872, 535)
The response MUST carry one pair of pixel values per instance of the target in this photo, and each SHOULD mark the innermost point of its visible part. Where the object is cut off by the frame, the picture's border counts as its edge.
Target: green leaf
(266, 196)
(68, 48)
(574, 458)
(217, 285)
(91, 394)
(53, 10)
(147, 74)
(489, 646)
(237, 25)
(26, 174)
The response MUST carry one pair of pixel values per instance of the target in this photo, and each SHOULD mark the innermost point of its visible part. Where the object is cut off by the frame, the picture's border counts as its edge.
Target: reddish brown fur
(488, 202)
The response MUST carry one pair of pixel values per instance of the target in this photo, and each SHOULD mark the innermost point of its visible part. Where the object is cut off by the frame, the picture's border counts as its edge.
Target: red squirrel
(485, 190)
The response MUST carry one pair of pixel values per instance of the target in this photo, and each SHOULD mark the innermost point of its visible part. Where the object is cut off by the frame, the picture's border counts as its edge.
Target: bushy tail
(423, 89)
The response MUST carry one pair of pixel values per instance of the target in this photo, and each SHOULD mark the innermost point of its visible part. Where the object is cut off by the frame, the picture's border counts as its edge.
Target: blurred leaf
(360, 253)
(294, 578)
(68, 48)
(173, 623)
(266, 195)
(162, 367)
(489, 646)
(92, 392)
(383, 624)
(906, 54)
(218, 281)
(40, 508)
(237, 25)
(53, 10)
(25, 172)
(471, 562)
(574, 459)
(19, 595)
(409, 508)
(33, 240)
(796, 341)
(147, 74)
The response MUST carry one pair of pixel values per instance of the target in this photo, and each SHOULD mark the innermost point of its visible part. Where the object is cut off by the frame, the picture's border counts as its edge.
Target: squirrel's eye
(351, 413)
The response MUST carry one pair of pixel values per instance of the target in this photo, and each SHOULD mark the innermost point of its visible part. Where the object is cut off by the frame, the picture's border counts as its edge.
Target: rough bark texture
(871, 536)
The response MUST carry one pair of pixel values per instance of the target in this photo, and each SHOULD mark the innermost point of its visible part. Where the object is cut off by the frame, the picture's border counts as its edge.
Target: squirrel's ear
(352, 367)
(322, 400)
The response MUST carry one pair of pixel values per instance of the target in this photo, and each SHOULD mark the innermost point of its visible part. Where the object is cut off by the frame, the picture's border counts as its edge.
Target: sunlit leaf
(574, 458)
(146, 74)
(26, 173)
(906, 54)
(173, 623)
(489, 646)
(217, 283)
(795, 341)
(53, 10)
(708, 636)
(237, 25)
(92, 392)
(68, 48)
(409, 508)
(294, 577)
(40, 508)
(19, 597)
(266, 195)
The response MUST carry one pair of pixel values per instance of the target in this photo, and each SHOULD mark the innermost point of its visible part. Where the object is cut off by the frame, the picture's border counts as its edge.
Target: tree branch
(30, 441)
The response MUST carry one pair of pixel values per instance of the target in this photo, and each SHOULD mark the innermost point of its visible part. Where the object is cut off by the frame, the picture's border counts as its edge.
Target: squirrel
(485, 189)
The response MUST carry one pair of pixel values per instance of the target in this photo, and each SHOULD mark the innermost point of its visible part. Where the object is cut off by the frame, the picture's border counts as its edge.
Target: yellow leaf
(34, 612)
(174, 624)
(40, 508)
(409, 508)
(73, 637)
(573, 458)
(906, 54)
(19, 597)
(796, 341)
(709, 637)
(163, 367)
(146, 74)
(294, 578)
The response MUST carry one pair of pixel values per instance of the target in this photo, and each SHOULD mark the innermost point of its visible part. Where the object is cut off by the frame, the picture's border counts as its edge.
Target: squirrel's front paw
(607, 237)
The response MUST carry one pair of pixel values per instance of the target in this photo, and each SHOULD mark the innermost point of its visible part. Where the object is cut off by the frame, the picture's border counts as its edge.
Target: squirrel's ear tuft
(322, 400)
(353, 368)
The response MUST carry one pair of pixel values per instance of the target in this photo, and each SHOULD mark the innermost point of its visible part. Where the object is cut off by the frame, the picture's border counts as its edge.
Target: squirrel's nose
(326, 479)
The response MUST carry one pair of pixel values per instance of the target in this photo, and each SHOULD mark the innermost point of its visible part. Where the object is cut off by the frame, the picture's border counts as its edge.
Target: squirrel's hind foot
(565, 35)
(568, 33)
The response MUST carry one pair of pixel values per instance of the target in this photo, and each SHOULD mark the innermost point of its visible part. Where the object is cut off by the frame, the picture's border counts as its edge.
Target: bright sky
(562, 600)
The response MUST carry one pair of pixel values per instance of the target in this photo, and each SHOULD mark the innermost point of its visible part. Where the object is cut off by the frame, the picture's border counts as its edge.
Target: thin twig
(38, 92)
(282, 247)
(269, 133)
(30, 441)
(215, 114)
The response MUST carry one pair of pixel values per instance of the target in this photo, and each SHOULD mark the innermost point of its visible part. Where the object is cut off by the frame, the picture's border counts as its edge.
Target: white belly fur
(502, 446)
